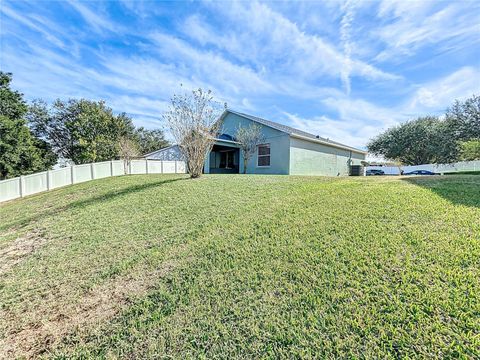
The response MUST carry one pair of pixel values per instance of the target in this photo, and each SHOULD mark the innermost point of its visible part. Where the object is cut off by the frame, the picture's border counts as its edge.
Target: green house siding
(289, 154)
(279, 146)
(310, 158)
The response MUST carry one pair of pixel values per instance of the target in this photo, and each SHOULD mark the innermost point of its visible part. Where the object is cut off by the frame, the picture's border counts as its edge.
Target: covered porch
(224, 158)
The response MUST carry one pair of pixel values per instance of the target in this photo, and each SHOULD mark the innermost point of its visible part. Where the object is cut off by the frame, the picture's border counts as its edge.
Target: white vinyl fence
(436, 168)
(52, 179)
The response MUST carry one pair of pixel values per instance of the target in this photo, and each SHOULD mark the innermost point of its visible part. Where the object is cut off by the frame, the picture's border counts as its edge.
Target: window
(263, 155)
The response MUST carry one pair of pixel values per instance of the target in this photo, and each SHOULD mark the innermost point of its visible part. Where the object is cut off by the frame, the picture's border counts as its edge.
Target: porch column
(206, 166)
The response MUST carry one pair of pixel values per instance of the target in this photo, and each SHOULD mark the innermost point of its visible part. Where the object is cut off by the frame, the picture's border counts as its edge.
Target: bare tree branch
(249, 138)
(193, 122)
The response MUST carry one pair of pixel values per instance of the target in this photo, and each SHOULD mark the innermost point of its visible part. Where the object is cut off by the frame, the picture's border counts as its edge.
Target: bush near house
(243, 267)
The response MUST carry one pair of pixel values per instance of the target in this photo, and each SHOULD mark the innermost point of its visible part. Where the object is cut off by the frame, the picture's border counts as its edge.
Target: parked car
(420, 172)
(374, 172)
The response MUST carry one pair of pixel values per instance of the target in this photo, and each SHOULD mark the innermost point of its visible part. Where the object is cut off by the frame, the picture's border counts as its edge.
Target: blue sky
(345, 70)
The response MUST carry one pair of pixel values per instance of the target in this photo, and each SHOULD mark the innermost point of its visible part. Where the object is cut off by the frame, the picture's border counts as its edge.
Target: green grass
(243, 267)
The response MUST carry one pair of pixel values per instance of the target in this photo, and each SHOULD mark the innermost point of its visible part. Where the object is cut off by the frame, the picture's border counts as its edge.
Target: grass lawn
(243, 267)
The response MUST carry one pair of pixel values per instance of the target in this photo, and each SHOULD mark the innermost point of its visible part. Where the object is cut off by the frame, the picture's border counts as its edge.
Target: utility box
(356, 170)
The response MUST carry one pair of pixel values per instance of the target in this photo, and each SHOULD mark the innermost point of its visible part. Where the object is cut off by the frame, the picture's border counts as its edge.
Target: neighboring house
(285, 151)
(169, 153)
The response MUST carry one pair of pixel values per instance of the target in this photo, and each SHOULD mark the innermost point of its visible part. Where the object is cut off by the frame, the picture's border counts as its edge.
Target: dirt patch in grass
(19, 249)
(94, 307)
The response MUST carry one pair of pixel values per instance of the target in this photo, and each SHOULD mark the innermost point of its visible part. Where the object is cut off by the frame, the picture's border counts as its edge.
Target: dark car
(420, 172)
(374, 172)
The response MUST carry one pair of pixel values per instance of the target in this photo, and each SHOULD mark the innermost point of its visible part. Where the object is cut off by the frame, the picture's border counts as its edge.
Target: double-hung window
(263, 152)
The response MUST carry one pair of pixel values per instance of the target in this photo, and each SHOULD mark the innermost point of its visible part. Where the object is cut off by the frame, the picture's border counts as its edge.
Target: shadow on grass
(89, 201)
(457, 189)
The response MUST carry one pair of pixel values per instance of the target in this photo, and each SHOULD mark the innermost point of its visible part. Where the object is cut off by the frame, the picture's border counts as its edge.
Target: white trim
(328, 143)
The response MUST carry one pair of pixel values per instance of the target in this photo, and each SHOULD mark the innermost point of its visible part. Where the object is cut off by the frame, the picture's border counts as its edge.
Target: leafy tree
(430, 139)
(412, 143)
(81, 130)
(249, 137)
(463, 119)
(470, 150)
(21, 152)
(150, 140)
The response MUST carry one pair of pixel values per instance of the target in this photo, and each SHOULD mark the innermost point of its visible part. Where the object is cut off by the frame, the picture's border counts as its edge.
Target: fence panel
(117, 168)
(436, 168)
(155, 166)
(9, 189)
(82, 173)
(138, 167)
(101, 170)
(169, 167)
(60, 177)
(31, 184)
(35, 183)
(181, 168)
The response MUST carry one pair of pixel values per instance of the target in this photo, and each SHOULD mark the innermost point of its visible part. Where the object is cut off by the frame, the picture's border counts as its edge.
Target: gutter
(329, 144)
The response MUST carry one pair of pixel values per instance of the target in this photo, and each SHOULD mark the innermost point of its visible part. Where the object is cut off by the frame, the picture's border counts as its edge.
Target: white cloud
(97, 21)
(345, 29)
(271, 40)
(35, 23)
(416, 24)
(438, 94)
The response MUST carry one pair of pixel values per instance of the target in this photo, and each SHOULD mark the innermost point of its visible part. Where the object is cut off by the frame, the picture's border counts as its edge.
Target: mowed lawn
(242, 267)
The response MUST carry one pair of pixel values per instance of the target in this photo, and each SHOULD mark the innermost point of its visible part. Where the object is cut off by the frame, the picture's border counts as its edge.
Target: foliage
(470, 150)
(128, 150)
(12, 104)
(431, 139)
(154, 266)
(249, 137)
(412, 143)
(192, 118)
(463, 119)
(81, 130)
(21, 153)
(150, 140)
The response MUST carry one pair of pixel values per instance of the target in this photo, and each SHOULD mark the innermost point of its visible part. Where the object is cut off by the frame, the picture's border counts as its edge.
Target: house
(286, 151)
(169, 153)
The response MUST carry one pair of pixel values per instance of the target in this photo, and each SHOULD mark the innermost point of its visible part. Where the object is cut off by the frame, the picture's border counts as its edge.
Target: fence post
(176, 167)
(111, 167)
(130, 167)
(48, 180)
(146, 166)
(92, 172)
(72, 174)
(21, 185)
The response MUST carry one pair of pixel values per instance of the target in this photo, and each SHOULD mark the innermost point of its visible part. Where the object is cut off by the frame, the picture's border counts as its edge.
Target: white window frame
(259, 156)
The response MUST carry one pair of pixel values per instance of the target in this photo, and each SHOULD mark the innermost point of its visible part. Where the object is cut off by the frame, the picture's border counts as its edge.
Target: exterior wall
(310, 158)
(279, 146)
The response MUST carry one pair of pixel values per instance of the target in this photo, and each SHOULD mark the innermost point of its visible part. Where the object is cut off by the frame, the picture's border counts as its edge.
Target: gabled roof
(292, 131)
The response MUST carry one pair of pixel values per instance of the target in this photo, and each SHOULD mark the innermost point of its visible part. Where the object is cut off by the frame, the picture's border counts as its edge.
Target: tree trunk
(244, 165)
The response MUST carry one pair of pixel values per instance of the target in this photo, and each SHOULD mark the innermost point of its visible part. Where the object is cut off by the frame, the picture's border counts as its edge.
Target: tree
(412, 143)
(463, 119)
(430, 139)
(21, 152)
(81, 130)
(249, 137)
(470, 150)
(150, 140)
(128, 150)
(193, 121)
